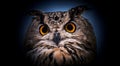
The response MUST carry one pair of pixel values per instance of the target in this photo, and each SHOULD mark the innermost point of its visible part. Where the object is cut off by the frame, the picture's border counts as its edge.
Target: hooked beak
(57, 37)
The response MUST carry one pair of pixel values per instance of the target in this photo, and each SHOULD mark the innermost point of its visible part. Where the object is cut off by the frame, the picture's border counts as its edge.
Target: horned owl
(60, 38)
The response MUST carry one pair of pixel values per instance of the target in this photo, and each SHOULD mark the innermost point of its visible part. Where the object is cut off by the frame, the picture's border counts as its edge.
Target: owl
(60, 38)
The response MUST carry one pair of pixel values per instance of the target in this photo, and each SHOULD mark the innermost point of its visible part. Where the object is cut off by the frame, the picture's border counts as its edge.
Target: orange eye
(70, 27)
(43, 30)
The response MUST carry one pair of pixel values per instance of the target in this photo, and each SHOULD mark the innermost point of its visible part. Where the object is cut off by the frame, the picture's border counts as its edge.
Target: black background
(13, 11)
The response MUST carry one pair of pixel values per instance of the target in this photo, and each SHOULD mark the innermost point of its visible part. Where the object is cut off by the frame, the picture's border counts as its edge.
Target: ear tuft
(38, 15)
(35, 13)
(78, 10)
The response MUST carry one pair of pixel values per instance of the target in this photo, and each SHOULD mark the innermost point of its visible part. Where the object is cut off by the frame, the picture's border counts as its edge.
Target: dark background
(13, 11)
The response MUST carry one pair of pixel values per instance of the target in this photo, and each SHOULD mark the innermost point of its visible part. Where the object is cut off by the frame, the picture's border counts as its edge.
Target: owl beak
(57, 37)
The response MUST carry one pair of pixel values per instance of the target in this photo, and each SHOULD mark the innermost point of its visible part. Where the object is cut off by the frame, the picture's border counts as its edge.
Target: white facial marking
(68, 40)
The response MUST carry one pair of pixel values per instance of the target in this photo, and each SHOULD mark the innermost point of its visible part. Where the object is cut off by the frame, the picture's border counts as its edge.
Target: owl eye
(70, 27)
(43, 30)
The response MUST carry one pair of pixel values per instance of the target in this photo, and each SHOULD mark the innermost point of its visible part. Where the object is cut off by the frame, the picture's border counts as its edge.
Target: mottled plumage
(60, 38)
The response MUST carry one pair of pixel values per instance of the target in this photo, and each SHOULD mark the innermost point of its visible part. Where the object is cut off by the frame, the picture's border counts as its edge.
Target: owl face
(60, 38)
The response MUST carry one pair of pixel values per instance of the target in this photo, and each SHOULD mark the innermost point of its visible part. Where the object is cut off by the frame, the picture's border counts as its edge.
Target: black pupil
(69, 27)
(45, 29)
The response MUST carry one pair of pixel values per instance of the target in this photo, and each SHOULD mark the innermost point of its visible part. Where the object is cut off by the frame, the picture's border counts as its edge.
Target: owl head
(60, 38)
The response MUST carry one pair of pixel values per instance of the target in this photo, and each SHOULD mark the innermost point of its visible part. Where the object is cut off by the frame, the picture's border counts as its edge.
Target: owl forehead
(57, 15)
(56, 19)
